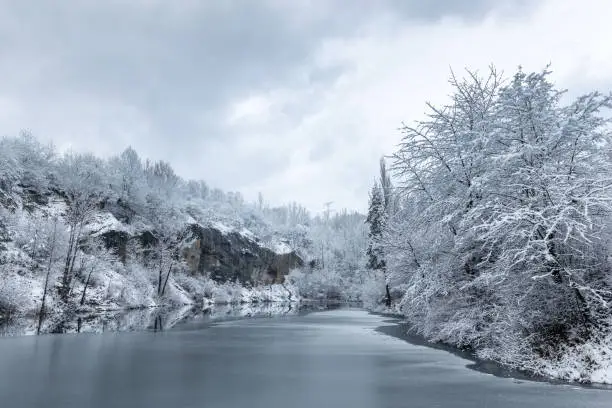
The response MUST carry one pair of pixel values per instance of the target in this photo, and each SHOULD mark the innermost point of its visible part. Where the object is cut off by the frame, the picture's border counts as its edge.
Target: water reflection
(151, 319)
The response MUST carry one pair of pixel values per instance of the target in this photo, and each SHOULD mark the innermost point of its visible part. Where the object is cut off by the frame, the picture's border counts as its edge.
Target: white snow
(56, 207)
(245, 232)
(103, 222)
(282, 248)
(602, 375)
(223, 228)
(232, 293)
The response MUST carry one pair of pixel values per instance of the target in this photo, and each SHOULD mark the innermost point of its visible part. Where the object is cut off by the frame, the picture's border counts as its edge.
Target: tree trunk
(76, 248)
(65, 276)
(41, 313)
(73, 246)
(166, 280)
(388, 297)
(159, 279)
(86, 285)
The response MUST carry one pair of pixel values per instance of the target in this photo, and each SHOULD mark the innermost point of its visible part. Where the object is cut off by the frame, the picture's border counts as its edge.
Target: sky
(296, 99)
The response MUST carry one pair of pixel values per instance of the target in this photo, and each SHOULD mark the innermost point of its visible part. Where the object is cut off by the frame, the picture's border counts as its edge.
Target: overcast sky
(297, 99)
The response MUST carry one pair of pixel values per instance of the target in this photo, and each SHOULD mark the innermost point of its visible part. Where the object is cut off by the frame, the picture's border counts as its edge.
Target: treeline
(145, 188)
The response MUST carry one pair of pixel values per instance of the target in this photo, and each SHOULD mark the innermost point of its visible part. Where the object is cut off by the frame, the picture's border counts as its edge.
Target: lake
(334, 358)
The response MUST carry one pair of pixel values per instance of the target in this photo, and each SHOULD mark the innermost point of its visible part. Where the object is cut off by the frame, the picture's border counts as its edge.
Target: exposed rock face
(118, 241)
(284, 263)
(230, 256)
(224, 256)
(4, 236)
(120, 210)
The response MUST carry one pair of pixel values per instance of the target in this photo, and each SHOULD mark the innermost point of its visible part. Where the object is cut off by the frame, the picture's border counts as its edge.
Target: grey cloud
(162, 72)
(469, 10)
(165, 64)
(169, 61)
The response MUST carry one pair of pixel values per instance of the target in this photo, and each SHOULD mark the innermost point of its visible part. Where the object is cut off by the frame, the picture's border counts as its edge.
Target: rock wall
(229, 256)
(223, 256)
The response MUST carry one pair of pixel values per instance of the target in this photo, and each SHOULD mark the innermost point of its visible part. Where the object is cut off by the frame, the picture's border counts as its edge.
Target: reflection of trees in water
(158, 324)
(153, 319)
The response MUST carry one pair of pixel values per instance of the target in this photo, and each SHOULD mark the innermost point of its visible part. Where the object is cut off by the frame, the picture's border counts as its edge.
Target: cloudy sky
(297, 99)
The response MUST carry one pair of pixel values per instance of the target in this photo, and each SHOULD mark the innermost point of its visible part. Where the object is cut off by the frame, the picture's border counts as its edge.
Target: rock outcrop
(224, 256)
(229, 256)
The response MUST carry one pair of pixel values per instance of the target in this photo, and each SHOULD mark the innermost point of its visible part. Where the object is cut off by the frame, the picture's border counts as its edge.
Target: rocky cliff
(232, 255)
(224, 256)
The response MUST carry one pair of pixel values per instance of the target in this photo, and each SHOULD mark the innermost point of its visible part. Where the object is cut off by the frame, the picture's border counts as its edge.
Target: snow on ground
(589, 362)
(56, 208)
(245, 232)
(103, 222)
(282, 248)
(113, 292)
(231, 293)
(602, 375)
(221, 227)
(275, 244)
(188, 219)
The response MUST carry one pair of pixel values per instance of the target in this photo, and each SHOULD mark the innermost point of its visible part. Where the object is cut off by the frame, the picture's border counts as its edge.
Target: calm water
(324, 359)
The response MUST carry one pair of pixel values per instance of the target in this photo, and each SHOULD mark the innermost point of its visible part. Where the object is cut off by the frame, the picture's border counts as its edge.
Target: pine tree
(387, 188)
(377, 218)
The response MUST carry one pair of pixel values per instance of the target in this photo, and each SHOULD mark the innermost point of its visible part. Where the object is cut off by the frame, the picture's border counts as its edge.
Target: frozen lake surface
(332, 358)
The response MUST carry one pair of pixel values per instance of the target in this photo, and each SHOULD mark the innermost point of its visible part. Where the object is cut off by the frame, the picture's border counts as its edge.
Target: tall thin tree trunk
(288, 291)
(41, 313)
(159, 279)
(322, 258)
(75, 235)
(166, 280)
(65, 283)
(86, 285)
(76, 248)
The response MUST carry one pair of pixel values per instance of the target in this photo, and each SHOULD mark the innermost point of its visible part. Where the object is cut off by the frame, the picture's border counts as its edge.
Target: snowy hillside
(78, 233)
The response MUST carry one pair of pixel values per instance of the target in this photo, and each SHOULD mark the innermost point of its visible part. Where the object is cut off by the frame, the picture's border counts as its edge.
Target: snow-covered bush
(373, 290)
(16, 294)
(319, 284)
(138, 289)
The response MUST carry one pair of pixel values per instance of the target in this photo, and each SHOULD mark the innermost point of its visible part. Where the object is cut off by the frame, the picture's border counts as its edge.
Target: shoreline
(401, 329)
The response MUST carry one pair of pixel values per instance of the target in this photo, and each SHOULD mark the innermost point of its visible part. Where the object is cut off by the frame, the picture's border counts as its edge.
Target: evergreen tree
(387, 188)
(377, 218)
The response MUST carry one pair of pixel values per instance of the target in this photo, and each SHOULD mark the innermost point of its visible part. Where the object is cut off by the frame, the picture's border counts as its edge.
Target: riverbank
(553, 372)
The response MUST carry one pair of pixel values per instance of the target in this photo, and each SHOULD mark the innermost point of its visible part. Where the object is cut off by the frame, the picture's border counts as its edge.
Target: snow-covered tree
(83, 182)
(502, 235)
(377, 220)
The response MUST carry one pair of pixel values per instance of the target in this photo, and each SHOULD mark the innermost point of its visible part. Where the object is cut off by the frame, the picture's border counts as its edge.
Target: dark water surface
(325, 359)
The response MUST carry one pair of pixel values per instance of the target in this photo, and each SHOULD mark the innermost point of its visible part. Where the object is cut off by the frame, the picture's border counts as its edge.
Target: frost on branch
(502, 238)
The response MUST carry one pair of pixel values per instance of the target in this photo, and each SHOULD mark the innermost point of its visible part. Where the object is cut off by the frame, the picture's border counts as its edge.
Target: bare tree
(52, 243)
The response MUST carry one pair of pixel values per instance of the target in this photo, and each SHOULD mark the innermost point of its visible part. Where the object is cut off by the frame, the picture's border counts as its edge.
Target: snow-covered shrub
(16, 294)
(373, 290)
(195, 287)
(138, 289)
(319, 284)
